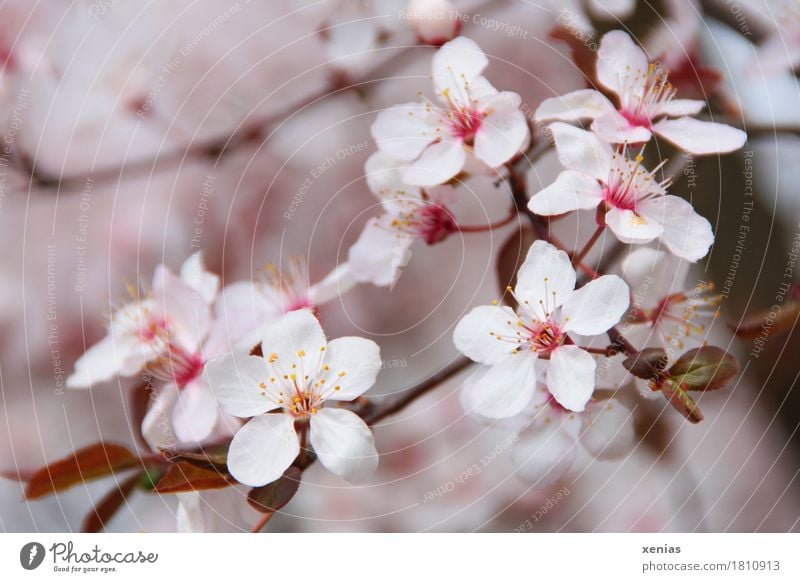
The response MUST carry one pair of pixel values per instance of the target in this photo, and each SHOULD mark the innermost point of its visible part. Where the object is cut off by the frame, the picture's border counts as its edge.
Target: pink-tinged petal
(380, 253)
(157, 428)
(680, 107)
(595, 307)
(263, 449)
(582, 151)
(334, 285)
(621, 64)
(195, 412)
(188, 313)
(105, 360)
(546, 277)
(632, 228)
(486, 334)
(194, 274)
(571, 191)
(701, 137)
(344, 444)
(297, 338)
(404, 131)
(614, 128)
(353, 365)
(243, 309)
(572, 107)
(570, 377)
(685, 233)
(545, 453)
(504, 389)
(384, 178)
(501, 135)
(438, 163)
(455, 65)
(608, 429)
(655, 274)
(235, 381)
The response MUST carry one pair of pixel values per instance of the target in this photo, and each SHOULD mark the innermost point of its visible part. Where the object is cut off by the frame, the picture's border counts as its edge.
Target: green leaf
(706, 368)
(272, 497)
(647, 364)
(92, 462)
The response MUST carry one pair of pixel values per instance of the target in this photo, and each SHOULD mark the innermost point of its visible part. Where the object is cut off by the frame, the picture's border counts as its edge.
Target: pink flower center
(637, 118)
(430, 221)
(465, 123)
(546, 337)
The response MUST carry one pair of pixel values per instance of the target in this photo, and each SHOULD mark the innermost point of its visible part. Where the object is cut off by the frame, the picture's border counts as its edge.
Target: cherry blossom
(300, 372)
(554, 437)
(163, 333)
(510, 342)
(245, 308)
(411, 213)
(434, 21)
(633, 203)
(646, 104)
(474, 118)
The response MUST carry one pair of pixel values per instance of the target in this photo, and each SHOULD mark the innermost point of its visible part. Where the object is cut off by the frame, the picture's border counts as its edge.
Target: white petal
(686, 234)
(103, 361)
(455, 65)
(613, 9)
(608, 432)
(243, 309)
(187, 311)
(157, 428)
(195, 413)
(359, 359)
(501, 135)
(654, 274)
(437, 164)
(582, 151)
(263, 449)
(545, 453)
(701, 137)
(595, 307)
(404, 131)
(504, 389)
(334, 285)
(621, 64)
(476, 335)
(614, 128)
(571, 191)
(384, 178)
(297, 338)
(570, 377)
(573, 107)
(632, 228)
(191, 513)
(380, 253)
(235, 380)
(344, 444)
(545, 277)
(680, 107)
(194, 273)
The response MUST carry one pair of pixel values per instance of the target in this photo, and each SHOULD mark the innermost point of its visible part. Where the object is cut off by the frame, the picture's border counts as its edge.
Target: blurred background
(135, 134)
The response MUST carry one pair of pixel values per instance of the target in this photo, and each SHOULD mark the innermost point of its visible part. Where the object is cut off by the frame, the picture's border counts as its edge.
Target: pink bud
(434, 21)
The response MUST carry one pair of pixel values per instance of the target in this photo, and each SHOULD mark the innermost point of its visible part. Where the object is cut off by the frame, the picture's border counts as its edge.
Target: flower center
(430, 221)
(643, 98)
(465, 123)
(629, 183)
(545, 337)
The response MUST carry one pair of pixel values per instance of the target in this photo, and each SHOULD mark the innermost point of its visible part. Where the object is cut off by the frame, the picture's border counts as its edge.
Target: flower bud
(434, 21)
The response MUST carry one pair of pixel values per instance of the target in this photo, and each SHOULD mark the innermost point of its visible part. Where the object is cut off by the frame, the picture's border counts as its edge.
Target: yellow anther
(273, 357)
(300, 353)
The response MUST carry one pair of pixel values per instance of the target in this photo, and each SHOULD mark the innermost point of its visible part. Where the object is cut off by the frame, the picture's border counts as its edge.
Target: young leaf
(647, 364)
(215, 457)
(272, 497)
(85, 464)
(102, 513)
(681, 401)
(706, 368)
(184, 476)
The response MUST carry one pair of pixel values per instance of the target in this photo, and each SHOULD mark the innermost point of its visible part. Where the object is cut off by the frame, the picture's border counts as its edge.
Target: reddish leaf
(509, 260)
(215, 457)
(766, 323)
(183, 476)
(97, 460)
(706, 368)
(647, 364)
(272, 497)
(20, 475)
(102, 513)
